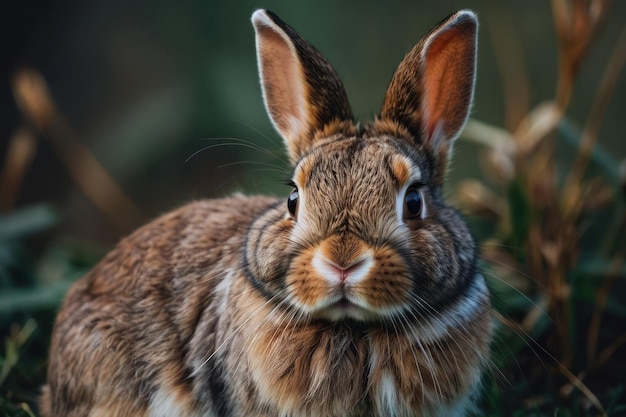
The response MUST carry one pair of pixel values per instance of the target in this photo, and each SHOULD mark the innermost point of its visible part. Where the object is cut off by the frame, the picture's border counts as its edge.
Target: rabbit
(356, 295)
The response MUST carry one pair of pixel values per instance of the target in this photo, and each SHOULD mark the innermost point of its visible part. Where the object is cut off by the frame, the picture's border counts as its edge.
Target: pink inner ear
(448, 66)
(282, 77)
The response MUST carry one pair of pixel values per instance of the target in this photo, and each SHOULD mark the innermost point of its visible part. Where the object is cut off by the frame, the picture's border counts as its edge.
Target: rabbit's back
(127, 328)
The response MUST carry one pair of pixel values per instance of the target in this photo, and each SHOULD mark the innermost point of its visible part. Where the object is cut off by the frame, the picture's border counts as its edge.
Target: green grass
(32, 285)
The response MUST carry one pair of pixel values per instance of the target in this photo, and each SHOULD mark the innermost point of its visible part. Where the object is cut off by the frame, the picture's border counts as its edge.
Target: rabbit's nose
(336, 273)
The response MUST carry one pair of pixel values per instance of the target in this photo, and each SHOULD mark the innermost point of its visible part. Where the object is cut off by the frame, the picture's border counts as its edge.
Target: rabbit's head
(365, 234)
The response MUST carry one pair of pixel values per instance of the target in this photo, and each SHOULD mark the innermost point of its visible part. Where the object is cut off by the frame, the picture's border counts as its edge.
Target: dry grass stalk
(20, 153)
(511, 63)
(36, 103)
(576, 23)
(602, 298)
(578, 383)
(480, 200)
(591, 131)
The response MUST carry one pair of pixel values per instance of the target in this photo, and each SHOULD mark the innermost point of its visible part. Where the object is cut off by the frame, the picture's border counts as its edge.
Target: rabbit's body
(163, 313)
(359, 297)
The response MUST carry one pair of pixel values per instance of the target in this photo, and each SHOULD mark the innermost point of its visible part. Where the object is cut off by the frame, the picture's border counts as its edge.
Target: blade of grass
(484, 134)
(13, 345)
(48, 297)
(607, 352)
(602, 297)
(574, 380)
(27, 221)
(572, 136)
(536, 126)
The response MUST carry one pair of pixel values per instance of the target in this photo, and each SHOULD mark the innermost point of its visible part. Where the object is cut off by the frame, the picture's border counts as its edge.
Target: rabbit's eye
(413, 203)
(292, 203)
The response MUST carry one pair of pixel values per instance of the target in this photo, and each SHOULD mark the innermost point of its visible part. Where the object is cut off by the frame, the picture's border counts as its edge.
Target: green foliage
(32, 285)
(521, 215)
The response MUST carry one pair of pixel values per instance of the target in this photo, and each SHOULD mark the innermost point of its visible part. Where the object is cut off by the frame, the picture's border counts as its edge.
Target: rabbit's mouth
(344, 310)
(347, 308)
(343, 307)
(344, 303)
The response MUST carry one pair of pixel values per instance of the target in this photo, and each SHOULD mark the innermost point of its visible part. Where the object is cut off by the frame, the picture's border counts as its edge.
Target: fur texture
(360, 297)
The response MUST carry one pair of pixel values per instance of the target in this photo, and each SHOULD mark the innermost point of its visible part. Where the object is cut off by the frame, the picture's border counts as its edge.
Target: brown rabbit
(358, 296)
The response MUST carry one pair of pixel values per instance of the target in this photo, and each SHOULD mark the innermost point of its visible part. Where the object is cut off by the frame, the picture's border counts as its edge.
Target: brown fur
(234, 307)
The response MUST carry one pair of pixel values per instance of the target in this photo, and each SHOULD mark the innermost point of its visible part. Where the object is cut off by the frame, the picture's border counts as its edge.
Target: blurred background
(114, 112)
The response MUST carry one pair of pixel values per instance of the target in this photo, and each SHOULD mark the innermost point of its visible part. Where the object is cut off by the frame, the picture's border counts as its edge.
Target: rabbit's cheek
(306, 287)
(387, 287)
(433, 255)
(268, 248)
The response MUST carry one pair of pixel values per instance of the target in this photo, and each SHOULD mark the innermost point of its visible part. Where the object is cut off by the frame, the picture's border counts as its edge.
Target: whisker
(527, 298)
(263, 135)
(221, 145)
(516, 270)
(254, 144)
(275, 167)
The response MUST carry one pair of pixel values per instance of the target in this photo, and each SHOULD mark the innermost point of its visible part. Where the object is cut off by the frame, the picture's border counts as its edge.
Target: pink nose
(342, 272)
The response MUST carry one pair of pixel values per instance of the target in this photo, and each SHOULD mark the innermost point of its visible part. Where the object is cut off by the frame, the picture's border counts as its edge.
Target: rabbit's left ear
(431, 91)
(303, 95)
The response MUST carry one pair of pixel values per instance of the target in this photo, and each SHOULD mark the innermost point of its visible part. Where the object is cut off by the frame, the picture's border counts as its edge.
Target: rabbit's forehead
(358, 161)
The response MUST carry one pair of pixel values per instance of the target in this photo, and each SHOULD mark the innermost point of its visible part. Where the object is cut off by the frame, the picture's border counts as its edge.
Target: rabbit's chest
(318, 372)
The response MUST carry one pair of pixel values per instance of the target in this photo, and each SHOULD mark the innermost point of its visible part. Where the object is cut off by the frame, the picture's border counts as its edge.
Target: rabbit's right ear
(431, 91)
(302, 93)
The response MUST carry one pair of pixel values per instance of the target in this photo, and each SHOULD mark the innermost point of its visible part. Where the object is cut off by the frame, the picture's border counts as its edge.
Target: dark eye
(413, 203)
(292, 203)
